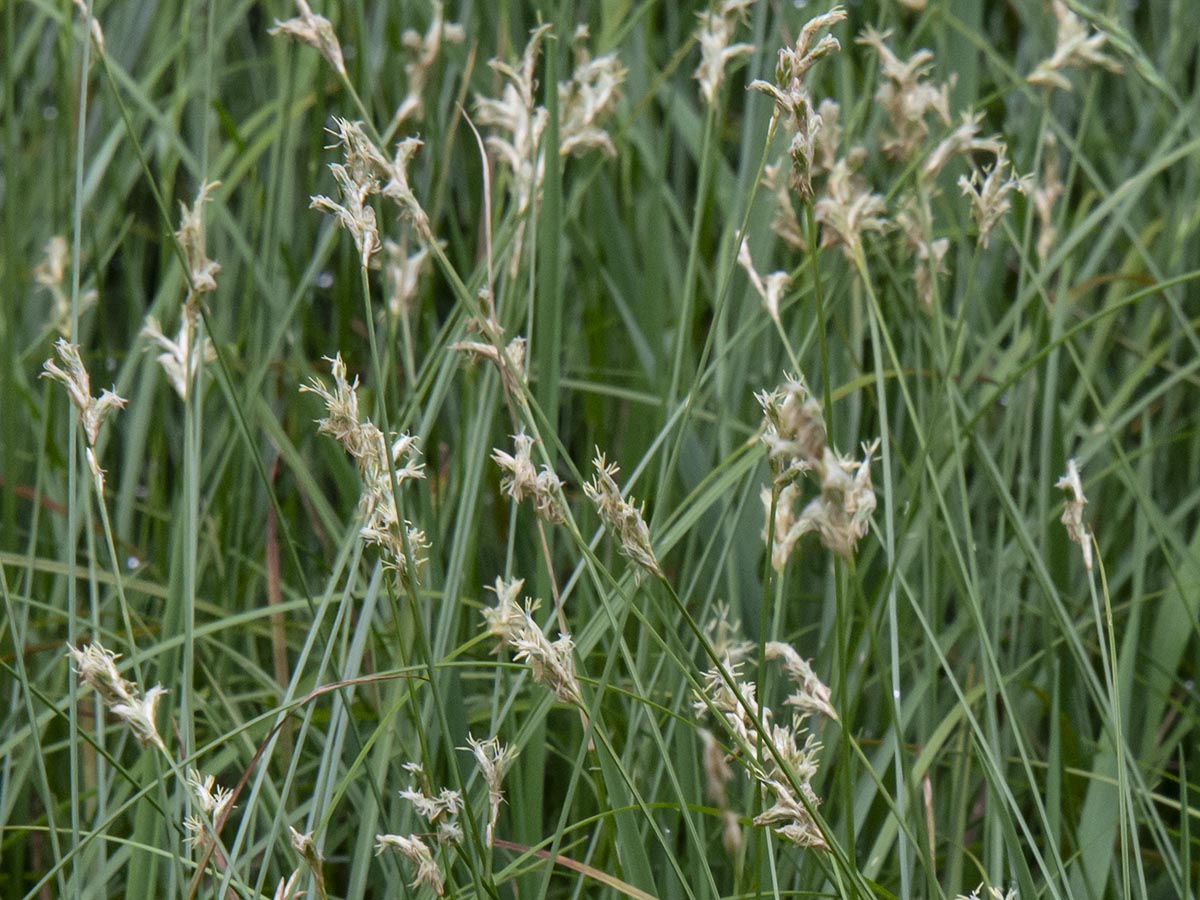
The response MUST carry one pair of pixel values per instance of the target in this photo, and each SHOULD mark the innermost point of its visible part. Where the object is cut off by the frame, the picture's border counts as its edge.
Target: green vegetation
(862, 310)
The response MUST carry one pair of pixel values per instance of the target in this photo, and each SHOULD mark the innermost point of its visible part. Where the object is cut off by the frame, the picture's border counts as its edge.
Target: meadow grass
(555, 464)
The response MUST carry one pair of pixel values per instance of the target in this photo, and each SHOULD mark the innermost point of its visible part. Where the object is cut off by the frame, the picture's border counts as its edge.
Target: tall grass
(999, 712)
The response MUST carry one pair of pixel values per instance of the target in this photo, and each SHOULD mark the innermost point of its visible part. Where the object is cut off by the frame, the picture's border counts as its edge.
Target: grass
(1005, 716)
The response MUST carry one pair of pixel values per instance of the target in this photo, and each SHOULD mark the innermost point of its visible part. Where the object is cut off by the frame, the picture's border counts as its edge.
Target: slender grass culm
(669, 451)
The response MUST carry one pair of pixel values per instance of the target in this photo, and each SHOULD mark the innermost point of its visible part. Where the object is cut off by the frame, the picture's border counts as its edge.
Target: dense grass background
(1005, 715)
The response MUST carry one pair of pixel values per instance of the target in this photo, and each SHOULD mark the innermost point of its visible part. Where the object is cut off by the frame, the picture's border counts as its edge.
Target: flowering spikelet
(789, 815)
(793, 429)
(214, 801)
(623, 519)
(714, 34)
(402, 275)
(771, 288)
(916, 222)
(842, 513)
(791, 95)
(1072, 516)
(181, 358)
(415, 850)
(848, 209)
(795, 437)
(202, 271)
(586, 99)
(906, 95)
(376, 462)
(92, 411)
(425, 49)
(494, 762)
(1074, 48)
(439, 809)
(50, 274)
(314, 30)
(1046, 194)
(517, 121)
(552, 664)
(812, 695)
(522, 480)
(989, 192)
(371, 172)
(510, 361)
(97, 668)
(962, 140)
(785, 223)
(354, 213)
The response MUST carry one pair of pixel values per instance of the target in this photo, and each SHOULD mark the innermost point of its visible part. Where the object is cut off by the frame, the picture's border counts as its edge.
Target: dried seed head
(92, 410)
(849, 209)
(97, 668)
(916, 221)
(494, 762)
(962, 140)
(769, 289)
(425, 49)
(215, 802)
(1046, 194)
(202, 271)
(552, 664)
(354, 213)
(716, 30)
(316, 31)
(907, 95)
(989, 893)
(181, 358)
(1072, 516)
(377, 462)
(990, 191)
(522, 480)
(416, 852)
(791, 95)
(89, 15)
(624, 520)
(50, 274)
(586, 99)
(793, 429)
(812, 695)
(1074, 48)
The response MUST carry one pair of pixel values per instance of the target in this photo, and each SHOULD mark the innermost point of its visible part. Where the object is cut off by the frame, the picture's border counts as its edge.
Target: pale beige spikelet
(849, 209)
(494, 762)
(416, 851)
(907, 95)
(521, 479)
(181, 358)
(769, 289)
(715, 35)
(990, 192)
(552, 664)
(1046, 194)
(626, 521)
(96, 667)
(425, 49)
(354, 212)
(1074, 48)
(316, 31)
(1072, 516)
(73, 375)
(202, 271)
